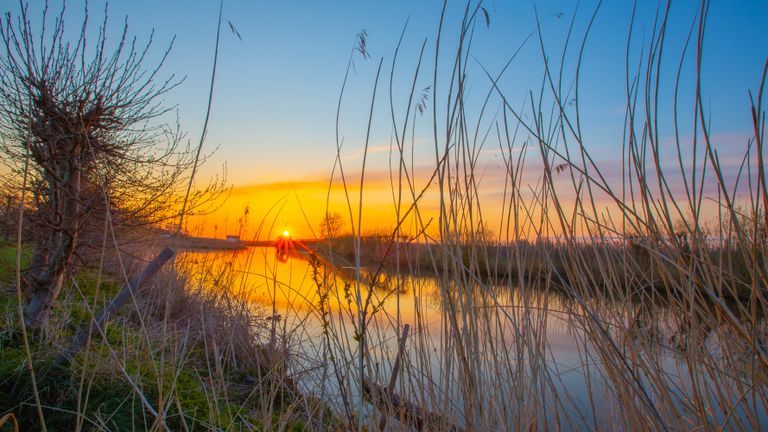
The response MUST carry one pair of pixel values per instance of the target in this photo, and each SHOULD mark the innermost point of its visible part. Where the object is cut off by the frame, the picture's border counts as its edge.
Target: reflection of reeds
(665, 309)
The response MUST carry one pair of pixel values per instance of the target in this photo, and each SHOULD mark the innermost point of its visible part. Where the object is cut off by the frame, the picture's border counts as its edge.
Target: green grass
(103, 386)
(8, 261)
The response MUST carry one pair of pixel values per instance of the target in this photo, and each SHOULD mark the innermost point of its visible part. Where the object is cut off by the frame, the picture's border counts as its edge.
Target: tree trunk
(46, 278)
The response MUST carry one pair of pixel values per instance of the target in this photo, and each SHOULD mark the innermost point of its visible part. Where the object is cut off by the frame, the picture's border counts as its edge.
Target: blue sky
(276, 90)
(273, 117)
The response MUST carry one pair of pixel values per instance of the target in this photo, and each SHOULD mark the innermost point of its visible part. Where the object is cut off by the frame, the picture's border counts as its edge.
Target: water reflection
(511, 341)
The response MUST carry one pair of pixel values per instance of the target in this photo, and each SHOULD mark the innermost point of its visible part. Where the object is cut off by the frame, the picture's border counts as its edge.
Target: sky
(278, 81)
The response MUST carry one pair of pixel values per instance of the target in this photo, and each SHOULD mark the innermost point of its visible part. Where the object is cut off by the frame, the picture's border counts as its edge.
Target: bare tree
(331, 225)
(87, 116)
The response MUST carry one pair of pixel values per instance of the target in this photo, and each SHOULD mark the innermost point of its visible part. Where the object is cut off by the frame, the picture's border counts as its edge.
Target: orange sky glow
(297, 207)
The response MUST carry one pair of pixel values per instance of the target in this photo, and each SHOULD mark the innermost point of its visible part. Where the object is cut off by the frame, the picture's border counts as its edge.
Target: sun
(286, 233)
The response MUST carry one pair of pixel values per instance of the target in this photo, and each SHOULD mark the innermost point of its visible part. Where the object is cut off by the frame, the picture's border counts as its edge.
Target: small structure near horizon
(233, 239)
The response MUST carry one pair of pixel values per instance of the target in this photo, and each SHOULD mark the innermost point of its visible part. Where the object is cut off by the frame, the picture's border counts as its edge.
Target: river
(503, 348)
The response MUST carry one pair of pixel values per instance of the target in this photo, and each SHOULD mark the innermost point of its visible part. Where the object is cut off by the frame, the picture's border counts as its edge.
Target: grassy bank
(176, 358)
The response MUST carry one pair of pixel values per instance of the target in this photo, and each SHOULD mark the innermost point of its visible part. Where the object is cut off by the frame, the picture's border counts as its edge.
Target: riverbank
(174, 358)
(200, 243)
(642, 268)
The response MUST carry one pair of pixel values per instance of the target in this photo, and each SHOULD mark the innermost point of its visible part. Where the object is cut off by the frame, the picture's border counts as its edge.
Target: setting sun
(286, 233)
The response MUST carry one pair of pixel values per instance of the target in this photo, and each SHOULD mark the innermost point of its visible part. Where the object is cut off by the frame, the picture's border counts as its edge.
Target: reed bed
(657, 275)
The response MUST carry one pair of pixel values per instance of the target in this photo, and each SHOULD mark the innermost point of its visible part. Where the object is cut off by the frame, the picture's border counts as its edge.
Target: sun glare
(286, 233)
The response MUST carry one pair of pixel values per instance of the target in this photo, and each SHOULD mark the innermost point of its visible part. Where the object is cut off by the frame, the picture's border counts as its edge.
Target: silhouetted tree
(331, 225)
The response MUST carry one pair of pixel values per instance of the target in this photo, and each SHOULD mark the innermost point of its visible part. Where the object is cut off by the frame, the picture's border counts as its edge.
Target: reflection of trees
(381, 282)
(636, 323)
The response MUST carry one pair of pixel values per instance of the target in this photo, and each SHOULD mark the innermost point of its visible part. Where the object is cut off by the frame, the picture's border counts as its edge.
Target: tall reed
(658, 275)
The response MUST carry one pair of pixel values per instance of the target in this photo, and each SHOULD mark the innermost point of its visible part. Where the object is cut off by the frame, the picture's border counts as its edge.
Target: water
(525, 351)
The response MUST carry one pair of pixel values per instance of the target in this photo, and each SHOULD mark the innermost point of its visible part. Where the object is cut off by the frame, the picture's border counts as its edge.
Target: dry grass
(665, 305)
(209, 363)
